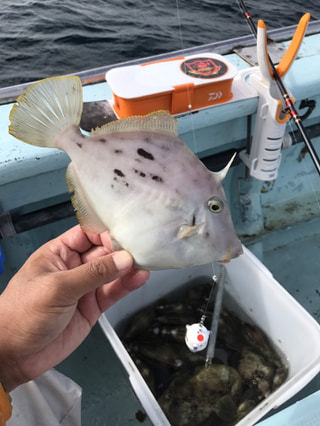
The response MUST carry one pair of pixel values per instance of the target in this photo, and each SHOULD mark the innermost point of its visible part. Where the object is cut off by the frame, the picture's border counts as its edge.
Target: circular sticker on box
(204, 67)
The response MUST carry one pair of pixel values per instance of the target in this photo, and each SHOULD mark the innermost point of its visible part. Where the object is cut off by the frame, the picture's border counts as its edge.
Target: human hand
(51, 304)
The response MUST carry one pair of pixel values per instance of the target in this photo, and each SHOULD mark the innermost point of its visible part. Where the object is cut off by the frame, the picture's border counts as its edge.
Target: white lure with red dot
(197, 336)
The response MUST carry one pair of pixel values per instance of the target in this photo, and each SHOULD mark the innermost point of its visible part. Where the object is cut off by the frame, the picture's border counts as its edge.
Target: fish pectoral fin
(188, 230)
(87, 217)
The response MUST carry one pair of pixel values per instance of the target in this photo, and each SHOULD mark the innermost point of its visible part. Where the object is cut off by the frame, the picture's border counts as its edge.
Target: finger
(89, 276)
(93, 253)
(109, 294)
(77, 240)
(74, 239)
(101, 239)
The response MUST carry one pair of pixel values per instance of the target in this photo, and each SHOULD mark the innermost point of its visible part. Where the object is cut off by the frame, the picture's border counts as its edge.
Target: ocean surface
(41, 38)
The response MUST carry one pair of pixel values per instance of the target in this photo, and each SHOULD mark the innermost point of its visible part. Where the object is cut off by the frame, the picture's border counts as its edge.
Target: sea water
(54, 37)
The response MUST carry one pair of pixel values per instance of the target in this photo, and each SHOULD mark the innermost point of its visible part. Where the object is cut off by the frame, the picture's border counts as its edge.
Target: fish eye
(215, 205)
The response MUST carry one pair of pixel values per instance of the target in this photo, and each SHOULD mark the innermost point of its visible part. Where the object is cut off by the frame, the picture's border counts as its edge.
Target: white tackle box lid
(174, 84)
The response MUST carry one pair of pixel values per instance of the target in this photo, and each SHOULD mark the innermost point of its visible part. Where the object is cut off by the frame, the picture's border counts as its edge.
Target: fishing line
(210, 297)
(179, 24)
(195, 144)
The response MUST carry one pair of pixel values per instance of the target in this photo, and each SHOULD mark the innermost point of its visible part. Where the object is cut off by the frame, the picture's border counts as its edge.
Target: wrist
(8, 377)
(10, 374)
(5, 405)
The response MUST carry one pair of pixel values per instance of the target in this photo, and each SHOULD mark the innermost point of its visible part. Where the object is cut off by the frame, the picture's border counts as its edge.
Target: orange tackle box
(177, 85)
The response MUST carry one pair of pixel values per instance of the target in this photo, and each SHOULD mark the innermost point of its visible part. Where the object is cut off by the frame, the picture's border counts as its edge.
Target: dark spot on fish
(147, 139)
(145, 154)
(103, 140)
(140, 173)
(112, 186)
(193, 220)
(119, 172)
(207, 234)
(79, 145)
(118, 151)
(157, 178)
(127, 185)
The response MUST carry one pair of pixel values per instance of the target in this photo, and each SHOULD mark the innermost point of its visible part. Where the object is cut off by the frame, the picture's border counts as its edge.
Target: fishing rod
(284, 92)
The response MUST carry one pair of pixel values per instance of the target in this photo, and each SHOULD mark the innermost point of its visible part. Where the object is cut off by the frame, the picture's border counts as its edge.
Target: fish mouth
(231, 255)
(228, 258)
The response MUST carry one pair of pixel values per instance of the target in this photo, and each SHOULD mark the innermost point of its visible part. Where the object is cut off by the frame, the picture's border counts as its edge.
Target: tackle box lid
(162, 76)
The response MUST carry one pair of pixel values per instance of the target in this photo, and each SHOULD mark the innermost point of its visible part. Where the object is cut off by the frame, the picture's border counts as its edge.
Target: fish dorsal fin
(159, 121)
(223, 173)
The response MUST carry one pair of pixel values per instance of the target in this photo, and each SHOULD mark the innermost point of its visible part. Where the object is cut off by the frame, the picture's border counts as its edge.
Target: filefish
(134, 177)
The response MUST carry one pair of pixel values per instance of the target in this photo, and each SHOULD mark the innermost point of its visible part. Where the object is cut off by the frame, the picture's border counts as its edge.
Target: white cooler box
(250, 286)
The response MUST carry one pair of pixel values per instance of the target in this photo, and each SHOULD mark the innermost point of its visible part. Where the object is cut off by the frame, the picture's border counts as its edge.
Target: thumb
(91, 275)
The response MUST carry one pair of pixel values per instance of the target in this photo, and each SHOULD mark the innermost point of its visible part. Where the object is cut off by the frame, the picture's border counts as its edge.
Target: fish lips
(232, 254)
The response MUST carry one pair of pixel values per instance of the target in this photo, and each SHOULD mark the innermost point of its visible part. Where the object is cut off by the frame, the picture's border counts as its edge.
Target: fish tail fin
(45, 109)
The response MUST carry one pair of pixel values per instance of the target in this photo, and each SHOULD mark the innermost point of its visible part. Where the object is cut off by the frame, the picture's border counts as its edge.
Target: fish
(134, 177)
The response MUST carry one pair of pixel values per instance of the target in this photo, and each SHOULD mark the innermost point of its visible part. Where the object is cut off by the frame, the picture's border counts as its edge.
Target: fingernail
(122, 259)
